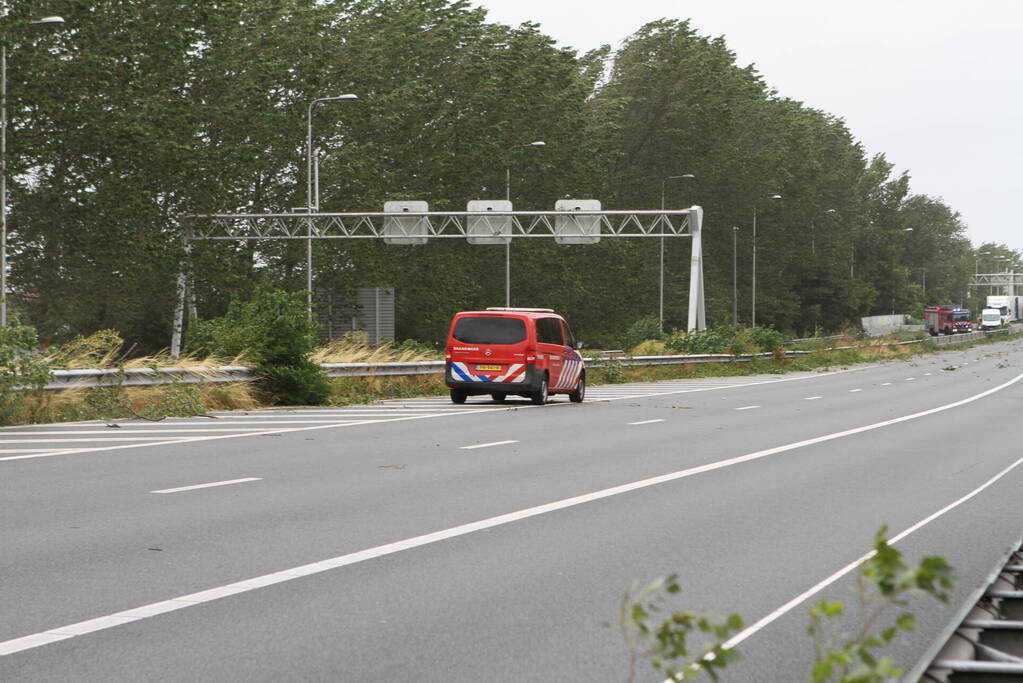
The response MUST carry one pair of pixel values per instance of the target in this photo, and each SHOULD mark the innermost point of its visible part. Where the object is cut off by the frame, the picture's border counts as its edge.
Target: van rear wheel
(458, 396)
(539, 397)
(579, 394)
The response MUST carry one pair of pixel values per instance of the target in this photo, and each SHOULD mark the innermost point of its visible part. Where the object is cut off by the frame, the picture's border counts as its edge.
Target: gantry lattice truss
(997, 280)
(480, 227)
(582, 224)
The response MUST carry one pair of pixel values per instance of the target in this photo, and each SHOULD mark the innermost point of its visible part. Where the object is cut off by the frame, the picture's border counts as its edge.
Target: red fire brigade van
(528, 352)
(947, 320)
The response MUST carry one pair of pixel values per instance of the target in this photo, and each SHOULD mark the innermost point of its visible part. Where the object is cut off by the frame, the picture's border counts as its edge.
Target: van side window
(548, 331)
(569, 339)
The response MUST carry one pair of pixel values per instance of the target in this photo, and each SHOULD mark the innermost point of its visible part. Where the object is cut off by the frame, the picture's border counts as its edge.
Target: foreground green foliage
(883, 584)
(272, 332)
(665, 641)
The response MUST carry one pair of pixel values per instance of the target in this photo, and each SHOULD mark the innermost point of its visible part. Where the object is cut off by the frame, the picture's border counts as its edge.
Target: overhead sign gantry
(573, 221)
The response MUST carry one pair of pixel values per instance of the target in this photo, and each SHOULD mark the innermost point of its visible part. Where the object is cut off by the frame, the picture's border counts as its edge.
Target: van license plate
(491, 368)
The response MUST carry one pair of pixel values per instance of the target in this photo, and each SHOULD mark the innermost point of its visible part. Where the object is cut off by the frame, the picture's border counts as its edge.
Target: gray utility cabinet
(372, 313)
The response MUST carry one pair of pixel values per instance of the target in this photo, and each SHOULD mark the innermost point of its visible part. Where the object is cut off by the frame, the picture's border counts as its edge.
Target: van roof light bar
(525, 310)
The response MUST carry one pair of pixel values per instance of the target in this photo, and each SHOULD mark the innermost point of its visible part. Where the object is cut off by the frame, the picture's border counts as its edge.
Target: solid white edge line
(208, 486)
(732, 386)
(816, 588)
(287, 430)
(485, 445)
(100, 623)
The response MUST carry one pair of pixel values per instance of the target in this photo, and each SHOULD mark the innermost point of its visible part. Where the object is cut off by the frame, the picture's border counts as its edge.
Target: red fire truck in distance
(947, 320)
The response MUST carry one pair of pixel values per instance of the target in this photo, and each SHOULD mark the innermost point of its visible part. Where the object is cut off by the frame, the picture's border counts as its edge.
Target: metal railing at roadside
(135, 377)
(140, 377)
(87, 378)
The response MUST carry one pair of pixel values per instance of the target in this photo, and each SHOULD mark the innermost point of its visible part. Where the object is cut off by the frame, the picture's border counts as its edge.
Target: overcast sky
(936, 85)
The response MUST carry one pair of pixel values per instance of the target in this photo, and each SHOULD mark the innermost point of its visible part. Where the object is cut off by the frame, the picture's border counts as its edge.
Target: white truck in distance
(1010, 308)
(991, 319)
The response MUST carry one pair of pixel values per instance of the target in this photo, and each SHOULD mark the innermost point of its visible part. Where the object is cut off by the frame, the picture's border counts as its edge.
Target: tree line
(167, 109)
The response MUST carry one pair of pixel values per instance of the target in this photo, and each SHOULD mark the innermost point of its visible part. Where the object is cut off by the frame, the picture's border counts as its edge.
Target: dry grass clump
(150, 402)
(358, 390)
(105, 349)
(349, 349)
(209, 396)
(649, 347)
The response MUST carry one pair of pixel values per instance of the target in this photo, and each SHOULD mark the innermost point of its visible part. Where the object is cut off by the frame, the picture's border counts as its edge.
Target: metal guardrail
(139, 377)
(135, 377)
(426, 367)
(984, 640)
(962, 338)
(86, 378)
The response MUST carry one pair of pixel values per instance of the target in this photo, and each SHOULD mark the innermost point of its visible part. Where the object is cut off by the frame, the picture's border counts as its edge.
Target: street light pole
(313, 198)
(507, 245)
(660, 298)
(753, 304)
(753, 299)
(3, 171)
(813, 234)
(735, 277)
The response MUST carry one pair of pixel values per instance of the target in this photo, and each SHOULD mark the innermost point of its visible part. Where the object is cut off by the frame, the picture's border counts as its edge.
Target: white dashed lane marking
(747, 408)
(853, 391)
(193, 487)
(646, 422)
(486, 445)
(812, 398)
(22, 443)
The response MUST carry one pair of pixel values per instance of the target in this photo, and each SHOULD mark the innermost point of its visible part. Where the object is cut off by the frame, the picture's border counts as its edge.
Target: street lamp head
(538, 143)
(775, 196)
(908, 230)
(684, 175)
(831, 211)
(49, 20)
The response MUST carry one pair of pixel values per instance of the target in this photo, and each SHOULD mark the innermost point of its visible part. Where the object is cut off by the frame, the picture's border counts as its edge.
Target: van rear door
(488, 348)
(550, 344)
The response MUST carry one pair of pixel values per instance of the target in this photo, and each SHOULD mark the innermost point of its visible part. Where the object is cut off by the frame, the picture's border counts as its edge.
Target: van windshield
(490, 330)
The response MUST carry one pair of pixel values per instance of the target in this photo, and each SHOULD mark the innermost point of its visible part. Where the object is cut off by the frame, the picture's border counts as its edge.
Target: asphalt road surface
(420, 541)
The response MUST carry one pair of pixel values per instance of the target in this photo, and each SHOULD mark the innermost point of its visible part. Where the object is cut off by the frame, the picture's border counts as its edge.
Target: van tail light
(447, 357)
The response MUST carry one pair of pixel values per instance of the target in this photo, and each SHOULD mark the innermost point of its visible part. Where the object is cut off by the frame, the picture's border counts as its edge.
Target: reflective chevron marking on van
(515, 373)
(460, 371)
(569, 374)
